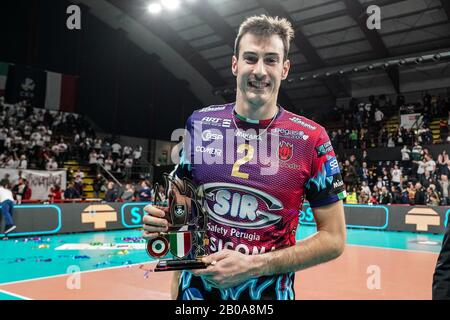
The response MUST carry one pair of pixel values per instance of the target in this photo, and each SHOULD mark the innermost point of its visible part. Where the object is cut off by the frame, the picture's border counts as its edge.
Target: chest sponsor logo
(209, 109)
(285, 151)
(209, 150)
(299, 135)
(218, 122)
(324, 149)
(240, 206)
(208, 135)
(303, 123)
(248, 136)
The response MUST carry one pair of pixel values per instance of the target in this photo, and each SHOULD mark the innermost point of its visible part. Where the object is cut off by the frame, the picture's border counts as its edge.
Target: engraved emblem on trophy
(185, 243)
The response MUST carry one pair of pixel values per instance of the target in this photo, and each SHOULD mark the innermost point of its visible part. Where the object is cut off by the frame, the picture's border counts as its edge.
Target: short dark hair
(266, 26)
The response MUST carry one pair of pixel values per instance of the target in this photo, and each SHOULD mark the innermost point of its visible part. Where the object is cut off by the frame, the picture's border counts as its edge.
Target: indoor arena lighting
(170, 4)
(154, 8)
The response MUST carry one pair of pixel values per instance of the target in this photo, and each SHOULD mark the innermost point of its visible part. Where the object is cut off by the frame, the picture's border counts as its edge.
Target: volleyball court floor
(114, 265)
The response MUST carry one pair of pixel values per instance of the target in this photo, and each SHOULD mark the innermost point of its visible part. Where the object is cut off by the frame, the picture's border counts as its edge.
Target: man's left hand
(226, 268)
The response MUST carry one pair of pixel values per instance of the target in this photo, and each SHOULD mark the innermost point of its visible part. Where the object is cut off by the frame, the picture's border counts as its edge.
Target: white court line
(68, 274)
(395, 249)
(15, 295)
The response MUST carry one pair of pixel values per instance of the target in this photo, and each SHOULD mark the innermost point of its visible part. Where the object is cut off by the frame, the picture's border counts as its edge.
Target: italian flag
(3, 75)
(60, 92)
(180, 243)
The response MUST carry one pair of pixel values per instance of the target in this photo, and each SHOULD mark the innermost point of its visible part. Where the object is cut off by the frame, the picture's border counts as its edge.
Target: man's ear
(234, 63)
(286, 67)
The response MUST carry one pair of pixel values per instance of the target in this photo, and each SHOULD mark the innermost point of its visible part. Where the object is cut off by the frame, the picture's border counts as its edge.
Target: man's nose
(260, 70)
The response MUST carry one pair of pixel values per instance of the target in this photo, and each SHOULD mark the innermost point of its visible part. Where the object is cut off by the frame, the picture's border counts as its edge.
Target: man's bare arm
(325, 245)
(174, 284)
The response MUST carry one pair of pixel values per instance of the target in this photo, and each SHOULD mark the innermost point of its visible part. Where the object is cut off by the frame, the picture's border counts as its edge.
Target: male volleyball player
(253, 216)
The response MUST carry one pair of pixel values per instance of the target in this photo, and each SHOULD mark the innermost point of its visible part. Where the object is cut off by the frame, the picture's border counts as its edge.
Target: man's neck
(264, 112)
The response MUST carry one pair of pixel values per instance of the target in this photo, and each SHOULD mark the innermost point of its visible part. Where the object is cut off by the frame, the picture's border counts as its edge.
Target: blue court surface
(37, 257)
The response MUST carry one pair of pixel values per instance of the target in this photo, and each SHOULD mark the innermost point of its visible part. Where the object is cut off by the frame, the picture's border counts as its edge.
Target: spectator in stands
(352, 196)
(5, 181)
(62, 147)
(430, 164)
(396, 174)
(432, 197)
(55, 194)
(363, 173)
(101, 159)
(391, 141)
(112, 193)
(373, 200)
(420, 167)
(417, 152)
(97, 185)
(97, 145)
(10, 163)
(28, 191)
(349, 174)
(353, 139)
(51, 165)
(137, 154)
(7, 207)
(93, 161)
(79, 176)
(116, 151)
(127, 152)
(3, 136)
(109, 163)
(445, 190)
(128, 194)
(396, 195)
(71, 192)
(406, 156)
(442, 161)
(23, 163)
(145, 193)
(385, 196)
(128, 164)
(365, 188)
(19, 190)
(380, 183)
(363, 197)
(419, 196)
(379, 116)
(386, 178)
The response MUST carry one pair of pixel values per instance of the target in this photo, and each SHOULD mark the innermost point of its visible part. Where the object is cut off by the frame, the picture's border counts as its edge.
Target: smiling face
(259, 70)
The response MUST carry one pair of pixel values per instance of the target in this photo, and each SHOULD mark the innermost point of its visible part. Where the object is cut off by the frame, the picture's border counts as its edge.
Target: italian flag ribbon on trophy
(180, 243)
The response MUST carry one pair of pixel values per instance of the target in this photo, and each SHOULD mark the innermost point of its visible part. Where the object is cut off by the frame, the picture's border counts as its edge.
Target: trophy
(186, 241)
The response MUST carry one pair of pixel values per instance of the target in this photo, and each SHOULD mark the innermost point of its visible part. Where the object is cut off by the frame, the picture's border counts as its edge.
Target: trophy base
(171, 265)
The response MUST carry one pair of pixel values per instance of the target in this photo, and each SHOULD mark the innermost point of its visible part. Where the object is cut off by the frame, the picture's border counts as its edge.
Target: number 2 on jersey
(248, 157)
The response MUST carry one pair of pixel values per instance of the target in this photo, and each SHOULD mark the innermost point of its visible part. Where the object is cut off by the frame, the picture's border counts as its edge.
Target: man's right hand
(154, 222)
